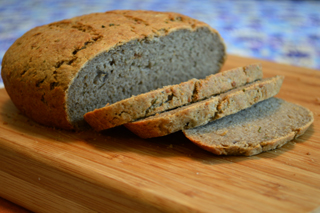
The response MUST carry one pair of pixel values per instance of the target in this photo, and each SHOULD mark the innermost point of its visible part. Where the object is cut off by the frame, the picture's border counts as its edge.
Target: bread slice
(202, 112)
(170, 97)
(57, 72)
(264, 126)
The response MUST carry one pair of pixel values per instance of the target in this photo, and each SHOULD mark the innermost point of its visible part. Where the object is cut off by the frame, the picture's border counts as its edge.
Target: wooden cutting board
(49, 170)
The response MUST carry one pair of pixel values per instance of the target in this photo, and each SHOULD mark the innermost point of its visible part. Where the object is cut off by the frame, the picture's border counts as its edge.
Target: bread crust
(202, 112)
(170, 97)
(39, 67)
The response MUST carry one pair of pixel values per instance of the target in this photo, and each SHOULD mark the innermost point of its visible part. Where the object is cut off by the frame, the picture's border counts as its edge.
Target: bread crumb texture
(264, 126)
(202, 112)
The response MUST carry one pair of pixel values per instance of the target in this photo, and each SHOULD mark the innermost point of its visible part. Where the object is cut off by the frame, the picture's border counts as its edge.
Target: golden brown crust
(40, 66)
(247, 151)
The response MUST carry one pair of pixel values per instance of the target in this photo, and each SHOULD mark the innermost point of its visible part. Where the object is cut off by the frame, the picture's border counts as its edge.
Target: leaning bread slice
(202, 112)
(170, 97)
(265, 126)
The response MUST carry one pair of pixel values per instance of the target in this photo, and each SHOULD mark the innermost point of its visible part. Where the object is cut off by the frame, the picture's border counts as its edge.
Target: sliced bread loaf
(264, 126)
(202, 112)
(57, 72)
(170, 97)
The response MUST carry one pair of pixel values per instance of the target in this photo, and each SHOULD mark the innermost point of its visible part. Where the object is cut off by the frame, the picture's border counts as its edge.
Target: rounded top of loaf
(40, 66)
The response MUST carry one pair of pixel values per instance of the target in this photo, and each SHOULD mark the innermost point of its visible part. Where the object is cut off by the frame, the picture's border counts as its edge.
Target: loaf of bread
(202, 112)
(262, 127)
(56, 73)
(170, 97)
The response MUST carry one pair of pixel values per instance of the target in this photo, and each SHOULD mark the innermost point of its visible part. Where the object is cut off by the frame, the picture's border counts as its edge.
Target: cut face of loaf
(58, 72)
(262, 127)
(202, 112)
(170, 97)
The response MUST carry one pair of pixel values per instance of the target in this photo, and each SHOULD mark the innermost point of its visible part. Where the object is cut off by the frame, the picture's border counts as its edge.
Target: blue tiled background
(281, 31)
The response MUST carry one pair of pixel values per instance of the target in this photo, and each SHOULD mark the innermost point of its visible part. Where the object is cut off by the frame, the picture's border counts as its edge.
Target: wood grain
(49, 170)
(9, 207)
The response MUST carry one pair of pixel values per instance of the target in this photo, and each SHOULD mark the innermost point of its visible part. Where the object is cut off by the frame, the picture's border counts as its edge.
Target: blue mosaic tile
(281, 31)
